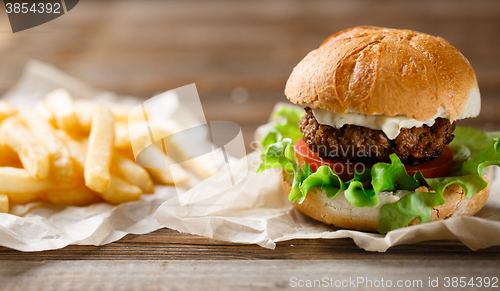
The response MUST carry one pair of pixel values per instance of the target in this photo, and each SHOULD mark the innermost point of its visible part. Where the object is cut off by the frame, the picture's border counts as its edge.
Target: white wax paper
(257, 211)
(43, 226)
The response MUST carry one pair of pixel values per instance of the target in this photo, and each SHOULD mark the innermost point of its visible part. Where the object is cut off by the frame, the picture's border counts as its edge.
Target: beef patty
(357, 143)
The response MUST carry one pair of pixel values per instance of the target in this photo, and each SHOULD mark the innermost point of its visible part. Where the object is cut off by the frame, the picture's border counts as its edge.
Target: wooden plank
(237, 275)
(168, 244)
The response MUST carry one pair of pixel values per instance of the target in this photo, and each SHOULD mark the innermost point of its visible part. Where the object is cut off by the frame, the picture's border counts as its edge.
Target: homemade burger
(372, 151)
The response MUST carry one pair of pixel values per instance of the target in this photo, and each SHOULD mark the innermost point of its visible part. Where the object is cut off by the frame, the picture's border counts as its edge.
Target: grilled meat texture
(361, 144)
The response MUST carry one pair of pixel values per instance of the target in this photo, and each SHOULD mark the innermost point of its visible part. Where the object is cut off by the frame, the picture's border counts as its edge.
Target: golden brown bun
(339, 212)
(375, 70)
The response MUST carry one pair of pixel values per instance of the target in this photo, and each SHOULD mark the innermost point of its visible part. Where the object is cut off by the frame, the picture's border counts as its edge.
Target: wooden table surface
(145, 47)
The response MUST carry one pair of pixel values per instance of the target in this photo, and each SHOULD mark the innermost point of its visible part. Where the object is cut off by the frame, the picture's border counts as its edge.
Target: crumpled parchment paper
(257, 211)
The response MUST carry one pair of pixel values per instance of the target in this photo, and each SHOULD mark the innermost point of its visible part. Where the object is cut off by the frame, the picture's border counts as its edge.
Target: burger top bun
(394, 72)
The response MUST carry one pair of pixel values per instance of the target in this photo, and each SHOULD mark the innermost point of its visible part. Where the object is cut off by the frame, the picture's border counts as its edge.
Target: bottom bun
(339, 212)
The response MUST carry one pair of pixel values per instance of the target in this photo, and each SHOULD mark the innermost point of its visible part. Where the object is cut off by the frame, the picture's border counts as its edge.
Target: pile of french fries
(75, 152)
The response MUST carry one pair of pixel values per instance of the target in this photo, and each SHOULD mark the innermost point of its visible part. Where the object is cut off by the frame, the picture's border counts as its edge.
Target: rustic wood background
(229, 48)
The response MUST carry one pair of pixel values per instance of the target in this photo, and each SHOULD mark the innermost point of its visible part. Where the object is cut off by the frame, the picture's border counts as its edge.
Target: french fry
(141, 140)
(44, 111)
(114, 193)
(164, 175)
(61, 104)
(4, 203)
(120, 191)
(20, 186)
(132, 173)
(62, 166)
(76, 196)
(9, 158)
(203, 166)
(122, 137)
(139, 136)
(121, 111)
(75, 149)
(127, 153)
(33, 155)
(99, 151)
(23, 198)
(84, 110)
(6, 110)
(45, 154)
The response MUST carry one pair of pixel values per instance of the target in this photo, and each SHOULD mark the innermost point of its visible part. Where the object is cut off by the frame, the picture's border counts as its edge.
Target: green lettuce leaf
(472, 139)
(324, 177)
(273, 136)
(274, 156)
(288, 128)
(363, 176)
(470, 174)
(333, 185)
(358, 196)
(461, 153)
(415, 205)
(299, 175)
(389, 177)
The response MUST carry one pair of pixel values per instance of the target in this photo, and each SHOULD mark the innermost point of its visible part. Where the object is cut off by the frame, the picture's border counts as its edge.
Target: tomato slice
(439, 167)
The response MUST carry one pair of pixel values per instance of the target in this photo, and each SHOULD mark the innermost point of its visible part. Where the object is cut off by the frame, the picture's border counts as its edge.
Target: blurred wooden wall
(145, 47)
